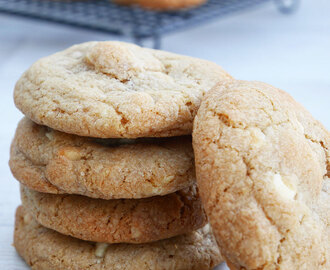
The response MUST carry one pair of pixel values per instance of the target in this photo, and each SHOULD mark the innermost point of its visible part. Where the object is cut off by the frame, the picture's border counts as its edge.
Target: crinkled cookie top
(263, 166)
(116, 90)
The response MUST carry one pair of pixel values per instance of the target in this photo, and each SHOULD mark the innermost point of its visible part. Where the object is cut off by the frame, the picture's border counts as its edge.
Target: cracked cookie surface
(45, 249)
(262, 165)
(55, 162)
(116, 90)
(117, 221)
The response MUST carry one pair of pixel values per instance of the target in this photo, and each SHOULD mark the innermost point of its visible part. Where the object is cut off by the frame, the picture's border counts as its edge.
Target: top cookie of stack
(116, 90)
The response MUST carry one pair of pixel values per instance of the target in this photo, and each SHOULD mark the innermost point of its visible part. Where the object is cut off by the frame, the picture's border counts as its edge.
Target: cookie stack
(105, 160)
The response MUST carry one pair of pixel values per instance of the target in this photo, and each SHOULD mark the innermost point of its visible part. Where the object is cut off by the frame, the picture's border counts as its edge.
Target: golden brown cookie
(263, 167)
(116, 90)
(45, 249)
(54, 162)
(162, 4)
(117, 221)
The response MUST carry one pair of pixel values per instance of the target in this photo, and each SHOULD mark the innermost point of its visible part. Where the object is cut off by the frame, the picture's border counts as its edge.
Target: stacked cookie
(106, 163)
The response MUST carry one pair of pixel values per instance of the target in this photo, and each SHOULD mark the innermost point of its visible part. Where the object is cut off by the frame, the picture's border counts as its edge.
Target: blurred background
(284, 43)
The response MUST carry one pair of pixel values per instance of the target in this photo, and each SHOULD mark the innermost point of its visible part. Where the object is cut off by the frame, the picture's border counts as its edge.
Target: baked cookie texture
(262, 164)
(117, 221)
(162, 4)
(54, 162)
(116, 90)
(45, 249)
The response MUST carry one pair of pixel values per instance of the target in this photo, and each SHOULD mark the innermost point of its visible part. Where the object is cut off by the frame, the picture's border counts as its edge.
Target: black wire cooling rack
(134, 22)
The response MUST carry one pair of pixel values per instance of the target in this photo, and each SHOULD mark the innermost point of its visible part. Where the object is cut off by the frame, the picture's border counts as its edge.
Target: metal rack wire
(139, 24)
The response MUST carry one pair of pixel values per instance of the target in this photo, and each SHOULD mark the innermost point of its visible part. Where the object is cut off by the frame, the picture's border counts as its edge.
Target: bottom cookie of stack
(44, 248)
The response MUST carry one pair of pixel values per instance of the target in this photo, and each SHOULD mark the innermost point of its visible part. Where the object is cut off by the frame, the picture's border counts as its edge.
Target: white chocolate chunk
(136, 232)
(258, 137)
(49, 135)
(100, 249)
(282, 188)
(168, 179)
(27, 218)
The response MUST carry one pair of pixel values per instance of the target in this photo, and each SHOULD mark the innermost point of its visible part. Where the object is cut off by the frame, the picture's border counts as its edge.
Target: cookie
(263, 166)
(54, 162)
(117, 221)
(162, 4)
(45, 249)
(116, 90)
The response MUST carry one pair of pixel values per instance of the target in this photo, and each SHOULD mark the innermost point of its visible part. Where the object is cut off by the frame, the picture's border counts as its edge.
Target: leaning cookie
(262, 165)
(117, 221)
(45, 249)
(116, 90)
(55, 162)
(162, 4)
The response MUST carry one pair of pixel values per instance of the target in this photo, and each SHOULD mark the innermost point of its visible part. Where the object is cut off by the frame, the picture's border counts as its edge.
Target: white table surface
(290, 52)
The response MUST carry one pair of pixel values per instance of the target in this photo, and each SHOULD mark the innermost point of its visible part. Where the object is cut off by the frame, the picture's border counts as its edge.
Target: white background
(291, 52)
